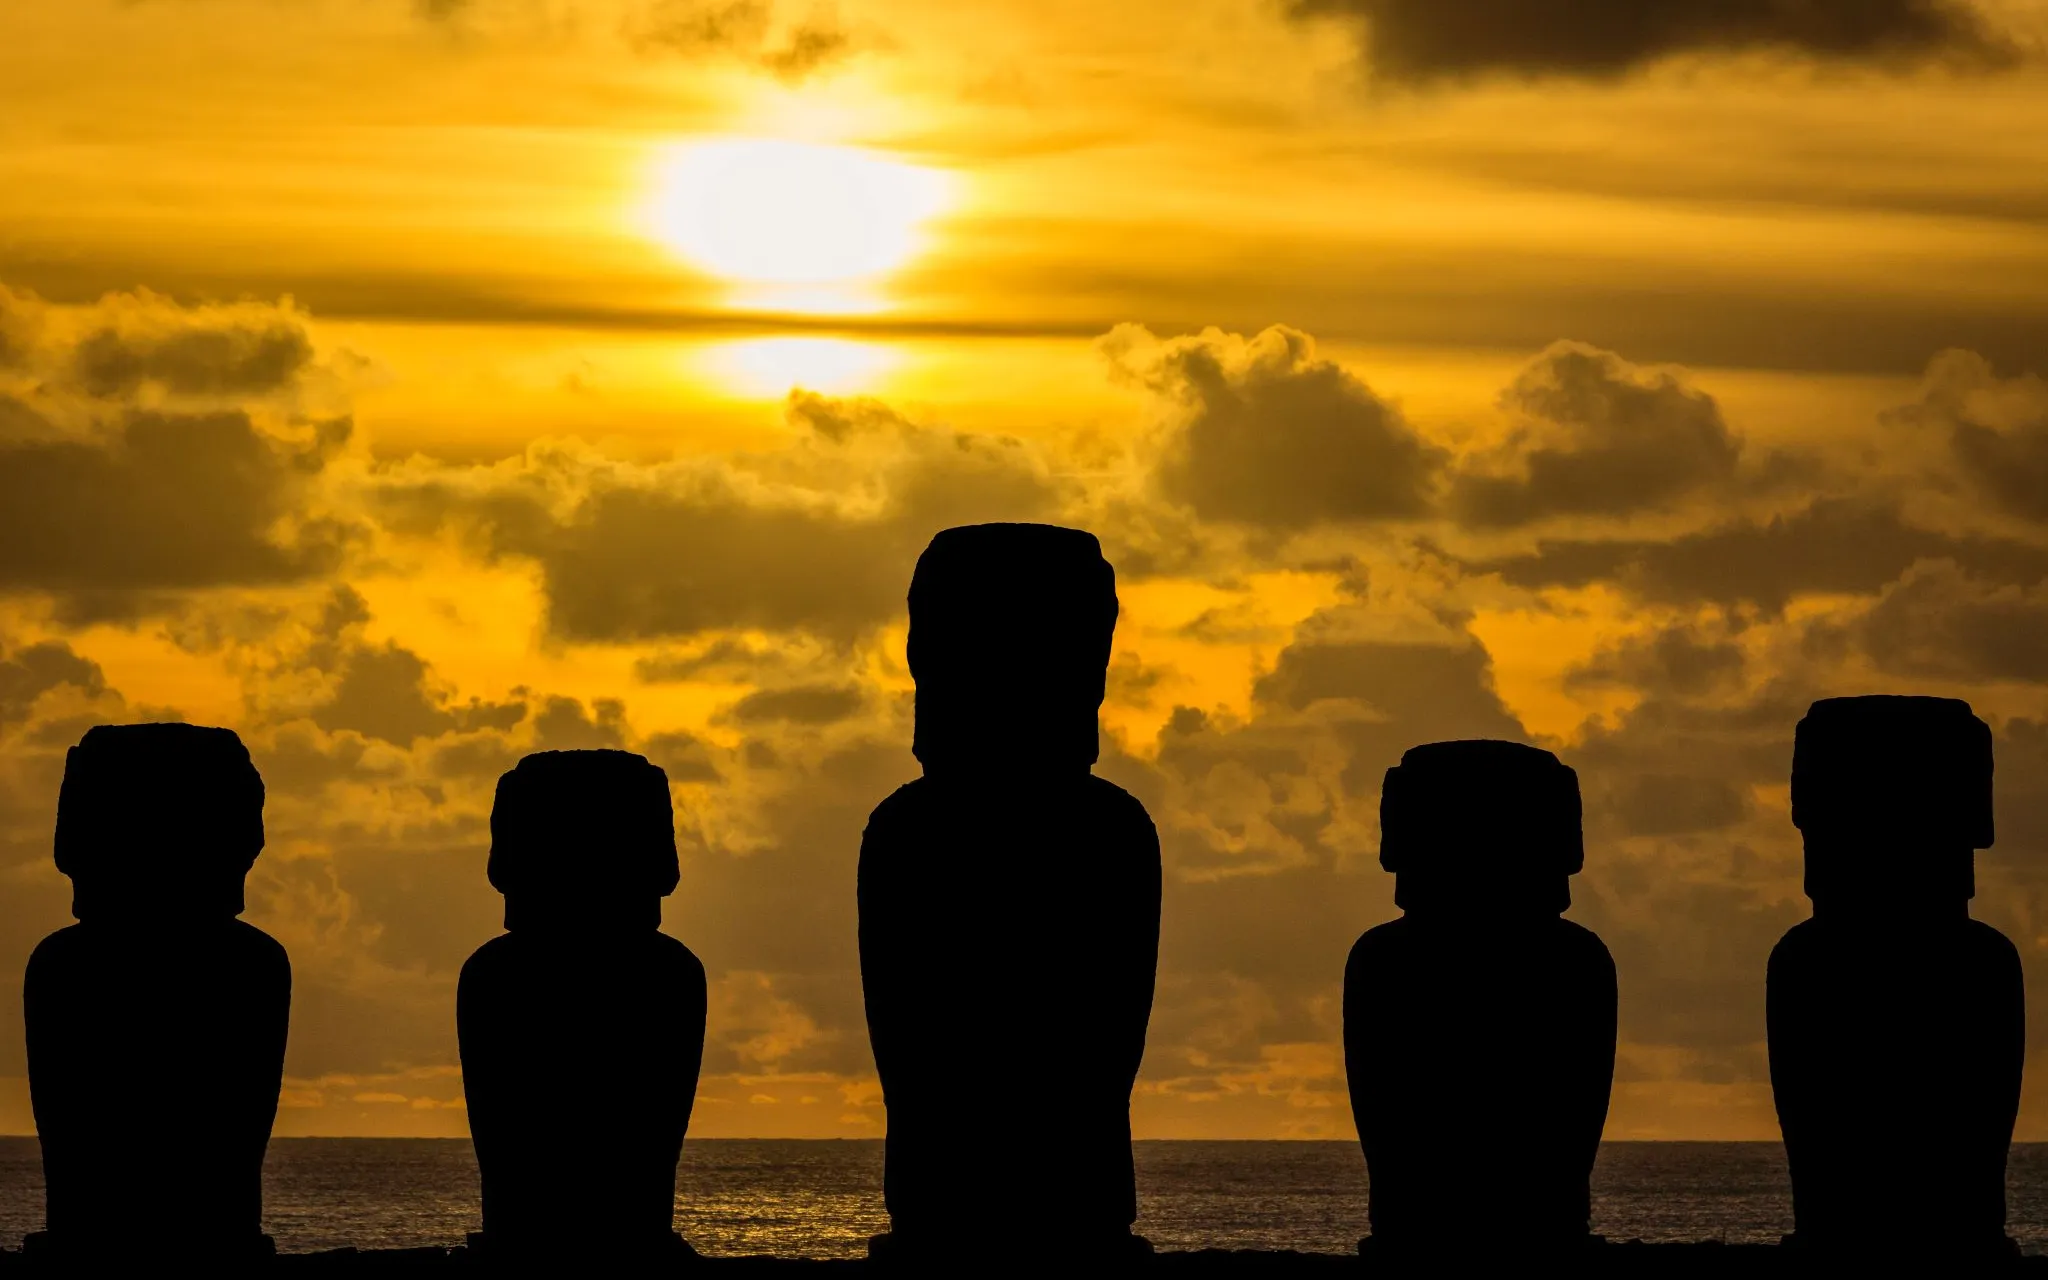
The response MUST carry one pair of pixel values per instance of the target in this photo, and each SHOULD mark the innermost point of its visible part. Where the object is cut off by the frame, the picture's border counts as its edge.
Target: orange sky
(412, 385)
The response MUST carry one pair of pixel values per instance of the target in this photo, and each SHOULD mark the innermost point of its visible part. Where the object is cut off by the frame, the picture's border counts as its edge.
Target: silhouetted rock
(156, 1024)
(1009, 915)
(1897, 1023)
(1479, 1027)
(582, 1027)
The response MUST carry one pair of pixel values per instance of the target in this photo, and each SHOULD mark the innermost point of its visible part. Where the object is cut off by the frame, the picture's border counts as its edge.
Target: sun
(797, 220)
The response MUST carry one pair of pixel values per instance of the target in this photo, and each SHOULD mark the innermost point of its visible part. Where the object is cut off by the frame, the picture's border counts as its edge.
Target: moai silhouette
(1479, 1027)
(156, 1024)
(1009, 915)
(581, 1026)
(1897, 1023)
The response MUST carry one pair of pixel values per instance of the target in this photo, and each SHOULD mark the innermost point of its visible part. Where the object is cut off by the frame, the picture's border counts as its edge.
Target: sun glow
(769, 368)
(793, 225)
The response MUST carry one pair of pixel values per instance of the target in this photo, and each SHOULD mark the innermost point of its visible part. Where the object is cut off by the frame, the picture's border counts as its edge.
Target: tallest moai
(1897, 1023)
(1009, 912)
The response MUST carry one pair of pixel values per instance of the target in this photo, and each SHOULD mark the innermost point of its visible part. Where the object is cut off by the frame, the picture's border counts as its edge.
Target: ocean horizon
(822, 1198)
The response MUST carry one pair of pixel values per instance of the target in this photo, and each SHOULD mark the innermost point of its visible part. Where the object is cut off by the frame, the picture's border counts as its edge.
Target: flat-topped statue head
(1010, 628)
(583, 840)
(158, 822)
(1479, 826)
(1893, 796)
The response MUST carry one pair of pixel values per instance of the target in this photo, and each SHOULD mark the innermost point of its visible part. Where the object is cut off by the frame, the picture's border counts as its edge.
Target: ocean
(824, 1199)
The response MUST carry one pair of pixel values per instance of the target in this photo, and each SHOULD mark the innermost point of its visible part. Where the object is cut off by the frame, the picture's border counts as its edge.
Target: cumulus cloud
(1940, 621)
(1294, 788)
(1425, 40)
(645, 562)
(726, 658)
(1443, 685)
(1594, 435)
(809, 704)
(2022, 807)
(169, 501)
(148, 448)
(683, 756)
(386, 691)
(758, 1028)
(34, 670)
(1833, 546)
(1675, 660)
(562, 724)
(1263, 432)
(820, 539)
(1669, 804)
(1996, 427)
(20, 324)
(141, 340)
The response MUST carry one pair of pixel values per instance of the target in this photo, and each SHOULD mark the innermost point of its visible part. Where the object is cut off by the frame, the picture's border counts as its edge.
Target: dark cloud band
(1423, 40)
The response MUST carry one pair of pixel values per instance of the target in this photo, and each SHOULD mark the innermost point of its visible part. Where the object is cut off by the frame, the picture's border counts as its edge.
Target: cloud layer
(147, 447)
(1603, 557)
(1421, 40)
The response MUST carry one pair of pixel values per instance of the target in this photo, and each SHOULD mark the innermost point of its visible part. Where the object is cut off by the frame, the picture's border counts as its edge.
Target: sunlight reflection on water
(824, 1199)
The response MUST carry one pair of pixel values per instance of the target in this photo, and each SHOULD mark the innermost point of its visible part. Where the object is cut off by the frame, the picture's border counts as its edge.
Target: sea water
(824, 1199)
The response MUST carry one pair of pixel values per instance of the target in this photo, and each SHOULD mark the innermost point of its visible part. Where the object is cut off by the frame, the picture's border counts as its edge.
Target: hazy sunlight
(787, 217)
(771, 367)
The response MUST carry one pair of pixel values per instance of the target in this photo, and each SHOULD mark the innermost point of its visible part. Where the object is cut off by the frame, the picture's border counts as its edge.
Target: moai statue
(156, 1024)
(1897, 1023)
(582, 1025)
(1479, 1027)
(1009, 915)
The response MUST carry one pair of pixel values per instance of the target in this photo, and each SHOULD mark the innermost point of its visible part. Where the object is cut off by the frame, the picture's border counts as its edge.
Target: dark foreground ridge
(1632, 1258)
